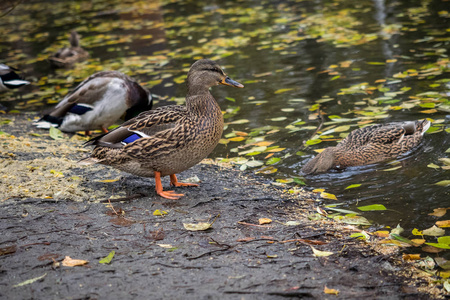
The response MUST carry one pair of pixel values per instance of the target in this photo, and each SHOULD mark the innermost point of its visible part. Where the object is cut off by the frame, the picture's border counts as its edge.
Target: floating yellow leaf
(444, 223)
(264, 221)
(416, 231)
(318, 253)
(438, 212)
(434, 231)
(264, 143)
(418, 241)
(282, 91)
(197, 227)
(237, 139)
(69, 262)
(330, 291)
(318, 190)
(429, 111)
(328, 196)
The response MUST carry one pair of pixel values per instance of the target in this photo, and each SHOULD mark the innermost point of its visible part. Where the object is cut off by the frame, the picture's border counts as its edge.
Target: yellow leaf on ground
(197, 227)
(318, 190)
(264, 221)
(382, 233)
(70, 262)
(159, 212)
(109, 180)
(330, 291)
(318, 253)
(434, 231)
(408, 257)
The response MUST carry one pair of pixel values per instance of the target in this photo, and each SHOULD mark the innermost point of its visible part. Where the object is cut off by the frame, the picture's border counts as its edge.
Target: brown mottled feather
(369, 145)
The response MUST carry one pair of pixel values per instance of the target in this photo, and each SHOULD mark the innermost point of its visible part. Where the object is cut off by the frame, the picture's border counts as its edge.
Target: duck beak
(231, 82)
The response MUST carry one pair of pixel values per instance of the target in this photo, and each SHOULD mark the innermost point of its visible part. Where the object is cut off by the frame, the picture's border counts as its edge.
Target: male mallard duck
(369, 145)
(97, 103)
(66, 57)
(169, 139)
(9, 79)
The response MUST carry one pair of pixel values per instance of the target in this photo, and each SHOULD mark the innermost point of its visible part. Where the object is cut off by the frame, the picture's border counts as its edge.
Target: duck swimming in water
(67, 56)
(368, 145)
(169, 139)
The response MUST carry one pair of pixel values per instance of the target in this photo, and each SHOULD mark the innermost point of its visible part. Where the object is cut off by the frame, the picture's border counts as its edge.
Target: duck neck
(200, 101)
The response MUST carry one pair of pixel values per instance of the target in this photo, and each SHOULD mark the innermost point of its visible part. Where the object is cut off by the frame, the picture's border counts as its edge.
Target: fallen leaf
(69, 262)
(167, 246)
(372, 207)
(264, 221)
(444, 223)
(159, 212)
(409, 257)
(328, 196)
(330, 291)
(197, 227)
(434, 231)
(318, 253)
(352, 186)
(29, 281)
(55, 133)
(292, 223)
(438, 212)
(107, 259)
(382, 233)
(109, 180)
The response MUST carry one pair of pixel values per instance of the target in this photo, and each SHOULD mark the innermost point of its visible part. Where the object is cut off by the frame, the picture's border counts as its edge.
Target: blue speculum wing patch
(131, 138)
(80, 109)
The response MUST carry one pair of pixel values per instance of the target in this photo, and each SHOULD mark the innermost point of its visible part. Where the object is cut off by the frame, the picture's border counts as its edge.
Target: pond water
(365, 63)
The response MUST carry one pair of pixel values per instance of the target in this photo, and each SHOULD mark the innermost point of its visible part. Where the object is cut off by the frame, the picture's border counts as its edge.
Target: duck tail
(48, 121)
(423, 126)
(88, 161)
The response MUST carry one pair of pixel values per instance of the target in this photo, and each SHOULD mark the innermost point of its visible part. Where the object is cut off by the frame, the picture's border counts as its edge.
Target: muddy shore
(51, 208)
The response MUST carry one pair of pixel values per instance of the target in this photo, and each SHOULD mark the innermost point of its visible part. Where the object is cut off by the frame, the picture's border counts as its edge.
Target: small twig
(112, 207)
(129, 198)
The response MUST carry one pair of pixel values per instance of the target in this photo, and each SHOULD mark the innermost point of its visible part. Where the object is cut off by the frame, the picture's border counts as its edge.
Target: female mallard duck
(66, 57)
(97, 103)
(9, 79)
(169, 139)
(369, 145)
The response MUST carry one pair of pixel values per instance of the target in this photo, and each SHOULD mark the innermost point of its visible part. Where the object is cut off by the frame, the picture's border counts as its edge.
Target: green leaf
(352, 186)
(230, 99)
(107, 259)
(299, 181)
(272, 160)
(55, 133)
(313, 142)
(372, 207)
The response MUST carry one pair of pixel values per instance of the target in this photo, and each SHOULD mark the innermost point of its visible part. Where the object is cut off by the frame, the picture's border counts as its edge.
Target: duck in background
(169, 139)
(368, 145)
(66, 57)
(9, 79)
(97, 103)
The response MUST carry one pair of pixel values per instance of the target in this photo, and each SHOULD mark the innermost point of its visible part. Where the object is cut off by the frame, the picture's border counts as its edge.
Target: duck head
(323, 162)
(206, 73)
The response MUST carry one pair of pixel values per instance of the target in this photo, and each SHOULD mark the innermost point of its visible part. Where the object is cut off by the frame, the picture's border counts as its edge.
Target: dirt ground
(51, 208)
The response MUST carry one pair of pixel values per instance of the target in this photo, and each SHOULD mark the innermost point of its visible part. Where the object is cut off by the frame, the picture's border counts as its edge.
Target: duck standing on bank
(369, 145)
(169, 139)
(66, 57)
(97, 103)
(9, 79)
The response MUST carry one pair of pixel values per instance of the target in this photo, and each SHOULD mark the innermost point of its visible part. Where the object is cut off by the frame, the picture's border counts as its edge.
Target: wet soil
(155, 256)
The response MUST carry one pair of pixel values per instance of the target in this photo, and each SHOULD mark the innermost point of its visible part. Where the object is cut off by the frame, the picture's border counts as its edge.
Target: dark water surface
(364, 62)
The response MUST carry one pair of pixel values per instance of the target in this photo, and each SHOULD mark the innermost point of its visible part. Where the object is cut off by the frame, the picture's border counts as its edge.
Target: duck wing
(374, 134)
(148, 129)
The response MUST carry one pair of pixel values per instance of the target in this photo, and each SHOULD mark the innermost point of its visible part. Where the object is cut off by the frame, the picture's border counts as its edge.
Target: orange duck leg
(159, 189)
(174, 182)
